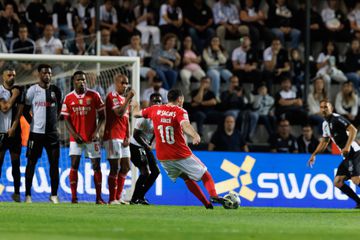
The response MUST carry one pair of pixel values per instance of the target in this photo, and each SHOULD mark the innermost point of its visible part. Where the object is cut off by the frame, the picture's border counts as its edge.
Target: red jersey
(82, 109)
(170, 139)
(115, 127)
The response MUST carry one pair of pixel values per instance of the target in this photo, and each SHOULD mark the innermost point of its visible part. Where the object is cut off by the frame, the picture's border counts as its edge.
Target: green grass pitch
(88, 221)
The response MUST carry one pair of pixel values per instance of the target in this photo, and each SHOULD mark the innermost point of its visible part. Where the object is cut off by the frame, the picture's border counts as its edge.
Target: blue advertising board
(261, 179)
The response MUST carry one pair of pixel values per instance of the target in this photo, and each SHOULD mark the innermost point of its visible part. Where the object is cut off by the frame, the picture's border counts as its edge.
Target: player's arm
(7, 105)
(139, 137)
(352, 131)
(137, 113)
(324, 142)
(189, 130)
(101, 120)
(70, 127)
(11, 131)
(26, 113)
(120, 111)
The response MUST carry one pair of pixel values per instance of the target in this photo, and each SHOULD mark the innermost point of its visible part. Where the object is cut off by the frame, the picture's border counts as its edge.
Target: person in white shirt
(135, 49)
(155, 88)
(145, 20)
(346, 103)
(107, 48)
(171, 18)
(108, 16)
(49, 44)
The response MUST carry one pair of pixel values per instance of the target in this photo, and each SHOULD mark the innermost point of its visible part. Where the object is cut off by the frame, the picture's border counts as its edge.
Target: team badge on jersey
(88, 101)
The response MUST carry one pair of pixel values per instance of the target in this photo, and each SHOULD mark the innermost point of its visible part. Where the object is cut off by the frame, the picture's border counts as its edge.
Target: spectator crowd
(239, 63)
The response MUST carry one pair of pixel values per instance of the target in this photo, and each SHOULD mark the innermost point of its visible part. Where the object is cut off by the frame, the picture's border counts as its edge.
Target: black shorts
(13, 144)
(138, 156)
(38, 141)
(350, 167)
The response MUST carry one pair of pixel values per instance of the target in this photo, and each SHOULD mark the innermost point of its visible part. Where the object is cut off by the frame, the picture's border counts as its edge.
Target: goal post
(100, 72)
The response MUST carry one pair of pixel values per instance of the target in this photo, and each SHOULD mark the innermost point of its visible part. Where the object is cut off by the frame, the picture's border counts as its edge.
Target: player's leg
(195, 189)
(33, 153)
(97, 179)
(112, 179)
(15, 164)
(53, 152)
(206, 178)
(93, 152)
(154, 173)
(138, 158)
(355, 174)
(183, 169)
(342, 175)
(124, 169)
(73, 176)
(2, 157)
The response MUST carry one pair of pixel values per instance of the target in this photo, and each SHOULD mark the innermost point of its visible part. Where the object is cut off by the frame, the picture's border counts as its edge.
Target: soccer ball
(234, 202)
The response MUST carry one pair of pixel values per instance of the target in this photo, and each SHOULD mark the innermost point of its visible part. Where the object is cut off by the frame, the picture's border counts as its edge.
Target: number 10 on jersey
(169, 134)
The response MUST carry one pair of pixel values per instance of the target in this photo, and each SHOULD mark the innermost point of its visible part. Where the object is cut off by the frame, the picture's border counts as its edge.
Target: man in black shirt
(203, 104)
(283, 141)
(343, 134)
(199, 20)
(44, 100)
(228, 138)
(306, 141)
(276, 63)
(11, 107)
(23, 44)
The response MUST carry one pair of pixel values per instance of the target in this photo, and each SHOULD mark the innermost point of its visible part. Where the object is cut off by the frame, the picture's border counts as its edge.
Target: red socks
(112, 187)
(209, 184)
(120, 185)
(196, 190)
(73, 182)
(97, 181)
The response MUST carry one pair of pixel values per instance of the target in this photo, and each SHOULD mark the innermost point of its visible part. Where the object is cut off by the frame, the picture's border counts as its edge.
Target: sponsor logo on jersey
(165, 113)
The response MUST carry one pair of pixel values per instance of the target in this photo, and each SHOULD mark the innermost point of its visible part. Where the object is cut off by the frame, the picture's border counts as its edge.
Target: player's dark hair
(43, 65)
(306, 125)
(155, 95)
(8, 67)
(325, 100)
(79, 72)
(174, 94)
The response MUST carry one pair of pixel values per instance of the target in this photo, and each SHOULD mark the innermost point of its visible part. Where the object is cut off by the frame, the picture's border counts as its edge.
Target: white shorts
(92, 150)
(191, 166)
(115, 149)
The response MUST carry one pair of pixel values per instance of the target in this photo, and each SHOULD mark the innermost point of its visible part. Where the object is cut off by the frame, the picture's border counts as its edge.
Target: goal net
(100, 72)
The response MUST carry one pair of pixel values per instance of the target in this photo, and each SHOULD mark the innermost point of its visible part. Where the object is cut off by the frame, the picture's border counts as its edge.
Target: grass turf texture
(88, 221)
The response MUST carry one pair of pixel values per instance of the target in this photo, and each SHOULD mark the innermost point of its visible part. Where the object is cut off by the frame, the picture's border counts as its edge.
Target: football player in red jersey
(117, 136)
(170, 122)
(80, 110)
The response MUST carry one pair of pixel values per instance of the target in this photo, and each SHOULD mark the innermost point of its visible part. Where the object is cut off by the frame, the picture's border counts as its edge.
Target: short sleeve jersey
(146, 127)
(169, 136)
(45, 105)
(82, 111)
(335, 128)
(7, 118)
(115, 127)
